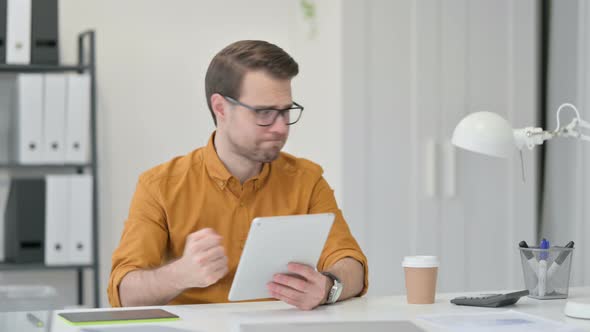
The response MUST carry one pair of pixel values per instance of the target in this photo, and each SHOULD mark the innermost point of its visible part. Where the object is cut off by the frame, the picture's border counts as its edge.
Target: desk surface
(227, 317)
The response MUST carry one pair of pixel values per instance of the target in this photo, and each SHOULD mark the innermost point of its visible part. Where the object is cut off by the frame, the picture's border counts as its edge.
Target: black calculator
(490, 300)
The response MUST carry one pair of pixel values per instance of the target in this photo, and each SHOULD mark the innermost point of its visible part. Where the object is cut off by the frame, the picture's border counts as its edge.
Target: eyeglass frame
(278, 112)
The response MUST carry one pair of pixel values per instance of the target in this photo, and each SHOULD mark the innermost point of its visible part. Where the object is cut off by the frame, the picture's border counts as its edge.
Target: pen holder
(547, 271)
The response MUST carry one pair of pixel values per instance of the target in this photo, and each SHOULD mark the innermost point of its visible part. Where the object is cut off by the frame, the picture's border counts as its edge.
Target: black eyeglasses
(267, 117)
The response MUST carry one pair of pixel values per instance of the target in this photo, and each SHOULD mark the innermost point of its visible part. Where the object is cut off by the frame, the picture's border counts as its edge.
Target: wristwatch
(336, 289)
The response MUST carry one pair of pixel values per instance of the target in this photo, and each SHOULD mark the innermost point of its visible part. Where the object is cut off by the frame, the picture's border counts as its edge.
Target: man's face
(254, 142)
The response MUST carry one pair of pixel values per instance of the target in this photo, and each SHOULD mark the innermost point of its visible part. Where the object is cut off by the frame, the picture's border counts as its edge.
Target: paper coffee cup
(421, 272)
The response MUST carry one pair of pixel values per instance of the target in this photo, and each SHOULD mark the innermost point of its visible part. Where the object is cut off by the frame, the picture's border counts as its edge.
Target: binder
(68, 219)
(24, 219)
(56, 219)
(4, 190)
(3, 31)
(78, 118)
(44, 32)
(29, 104)
(7, 118)
(54, 118)
(18, 31)
(80, 220)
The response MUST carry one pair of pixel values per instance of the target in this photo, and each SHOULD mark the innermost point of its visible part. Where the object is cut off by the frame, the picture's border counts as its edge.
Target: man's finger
(214, 253)
(286, 291)
(281, 297)
(285, 299)
(305, 271)
(219, 264)
(209, 258)
(205, 244)
(221, 272)
(292, 282)
(219, 260)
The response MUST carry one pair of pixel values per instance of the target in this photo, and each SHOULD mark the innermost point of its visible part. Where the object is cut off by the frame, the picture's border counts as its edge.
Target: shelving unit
(41, 68)
(86, 64)
(42, 166)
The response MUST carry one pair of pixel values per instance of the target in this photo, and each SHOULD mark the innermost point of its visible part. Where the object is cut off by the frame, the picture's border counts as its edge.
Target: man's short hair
(228, 67)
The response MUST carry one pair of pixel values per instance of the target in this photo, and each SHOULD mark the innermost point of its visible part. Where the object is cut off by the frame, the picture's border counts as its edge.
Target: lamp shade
(485, 132)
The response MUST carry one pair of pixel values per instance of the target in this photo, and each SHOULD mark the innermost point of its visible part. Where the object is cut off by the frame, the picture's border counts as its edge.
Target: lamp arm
(562, 106)
(573, 129)
(531, 137)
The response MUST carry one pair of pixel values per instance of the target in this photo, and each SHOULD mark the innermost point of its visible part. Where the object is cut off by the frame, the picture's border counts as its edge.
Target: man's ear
(218, 104)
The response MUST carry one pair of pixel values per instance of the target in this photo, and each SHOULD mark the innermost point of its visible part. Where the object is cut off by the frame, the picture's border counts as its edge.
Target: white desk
(226, 317)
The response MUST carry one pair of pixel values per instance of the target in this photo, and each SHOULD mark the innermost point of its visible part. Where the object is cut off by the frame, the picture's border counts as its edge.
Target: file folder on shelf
(56, 219)
(3, 31)
(4, 190)
(54, 118)
(44, 32)
(29, 104)
(80, 220)
(21, 118)
(25, 221)
(7, 118)
(18, 31)
(78, 118)
(68, 220)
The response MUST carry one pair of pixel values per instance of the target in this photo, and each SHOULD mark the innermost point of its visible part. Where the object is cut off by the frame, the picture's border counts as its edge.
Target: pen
(528, 255)
(559, 260)
(542, 271)
(34, 320)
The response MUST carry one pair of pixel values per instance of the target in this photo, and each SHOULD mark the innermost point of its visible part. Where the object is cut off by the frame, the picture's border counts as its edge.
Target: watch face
(338, 291)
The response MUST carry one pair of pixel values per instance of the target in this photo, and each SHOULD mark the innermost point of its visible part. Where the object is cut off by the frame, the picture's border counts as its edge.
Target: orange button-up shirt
(196, 191)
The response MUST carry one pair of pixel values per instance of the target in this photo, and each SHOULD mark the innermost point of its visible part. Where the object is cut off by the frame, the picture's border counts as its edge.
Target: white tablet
(274, 242)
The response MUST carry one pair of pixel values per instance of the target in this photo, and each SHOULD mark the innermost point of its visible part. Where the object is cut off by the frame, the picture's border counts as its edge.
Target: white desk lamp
(490, 134)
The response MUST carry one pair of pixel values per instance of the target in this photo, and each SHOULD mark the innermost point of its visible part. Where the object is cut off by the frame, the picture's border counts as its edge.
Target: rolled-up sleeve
(144, 239)
(340, 243)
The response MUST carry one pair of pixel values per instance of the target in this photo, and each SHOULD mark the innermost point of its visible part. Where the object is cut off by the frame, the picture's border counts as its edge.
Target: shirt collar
(217, 170)
(215, 167)
(262, 176)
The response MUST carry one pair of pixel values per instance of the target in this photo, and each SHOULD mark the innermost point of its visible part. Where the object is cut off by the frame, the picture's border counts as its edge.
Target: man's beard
(269, 156)
(259, 154)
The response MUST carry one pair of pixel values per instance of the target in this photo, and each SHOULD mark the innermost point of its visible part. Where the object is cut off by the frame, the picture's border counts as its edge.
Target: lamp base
(579, 308)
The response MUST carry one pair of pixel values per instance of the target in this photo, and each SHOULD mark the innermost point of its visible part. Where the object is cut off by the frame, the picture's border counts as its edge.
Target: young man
(189, 218)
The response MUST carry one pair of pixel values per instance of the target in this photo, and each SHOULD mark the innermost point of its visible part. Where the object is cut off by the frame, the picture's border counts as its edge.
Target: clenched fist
(203, 261)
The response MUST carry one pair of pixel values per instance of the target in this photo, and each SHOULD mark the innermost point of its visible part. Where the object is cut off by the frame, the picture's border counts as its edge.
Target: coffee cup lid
(420, 261)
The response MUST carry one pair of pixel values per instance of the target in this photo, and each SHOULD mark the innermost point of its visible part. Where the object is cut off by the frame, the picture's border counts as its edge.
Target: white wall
(318, 86)
(422, 65)
(151, 62)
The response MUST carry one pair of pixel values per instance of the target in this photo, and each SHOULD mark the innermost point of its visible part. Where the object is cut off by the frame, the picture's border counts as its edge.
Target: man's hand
(203, 261)
(306, 289)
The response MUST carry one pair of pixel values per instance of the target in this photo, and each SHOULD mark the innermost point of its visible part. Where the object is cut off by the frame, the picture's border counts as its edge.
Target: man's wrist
(170, 272)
